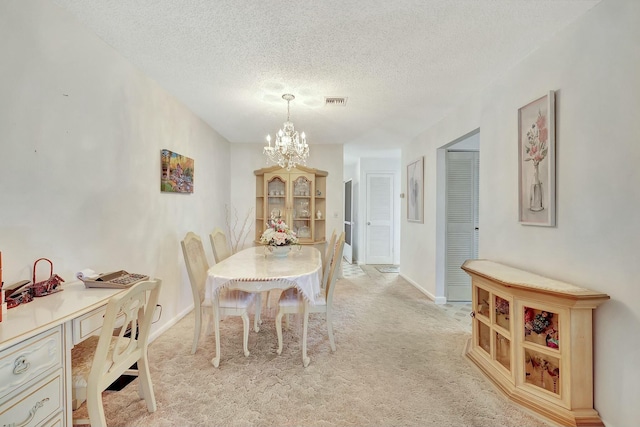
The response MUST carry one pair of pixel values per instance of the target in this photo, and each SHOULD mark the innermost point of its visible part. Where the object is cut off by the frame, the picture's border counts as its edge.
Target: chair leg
(216, 330)
(305, 327)
(245, 333)
(95, 408)
(197, 330)
(332, 341)
(144, 381)
(279, 331)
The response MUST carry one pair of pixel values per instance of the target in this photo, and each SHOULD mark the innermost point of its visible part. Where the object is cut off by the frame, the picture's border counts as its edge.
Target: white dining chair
(219, 245)
(100, 360)
(230, 302)
(292, 302)
(328, 255)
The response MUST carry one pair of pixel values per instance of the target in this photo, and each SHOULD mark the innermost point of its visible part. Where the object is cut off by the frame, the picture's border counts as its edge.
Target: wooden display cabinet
(532, 336)
(297, 196)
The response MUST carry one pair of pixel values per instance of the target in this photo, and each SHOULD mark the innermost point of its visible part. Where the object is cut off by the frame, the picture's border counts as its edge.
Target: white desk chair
(231, 303)
(292, 302)
(219, 245)
(99, 361)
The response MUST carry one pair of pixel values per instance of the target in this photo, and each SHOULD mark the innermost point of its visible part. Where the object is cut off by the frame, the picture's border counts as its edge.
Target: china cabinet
(532, 336)
(297, 197)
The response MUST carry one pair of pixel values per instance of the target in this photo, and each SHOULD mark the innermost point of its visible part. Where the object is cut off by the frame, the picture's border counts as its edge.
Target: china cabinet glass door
(276, 193)
(302, 207)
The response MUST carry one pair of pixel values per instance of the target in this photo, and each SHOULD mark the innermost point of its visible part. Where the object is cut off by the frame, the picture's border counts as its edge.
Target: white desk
(35, 353)
(253, 270)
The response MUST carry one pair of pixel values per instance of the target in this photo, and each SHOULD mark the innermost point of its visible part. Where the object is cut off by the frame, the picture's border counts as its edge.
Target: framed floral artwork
(415, 191)
(537, 162)
(176, 175)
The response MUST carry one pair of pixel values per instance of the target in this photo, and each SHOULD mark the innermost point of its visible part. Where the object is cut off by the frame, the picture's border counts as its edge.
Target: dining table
(257, 269)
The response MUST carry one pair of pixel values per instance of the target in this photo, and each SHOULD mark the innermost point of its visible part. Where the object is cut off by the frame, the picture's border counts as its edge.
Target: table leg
(305, 324)
(216, 328)
(257, 319)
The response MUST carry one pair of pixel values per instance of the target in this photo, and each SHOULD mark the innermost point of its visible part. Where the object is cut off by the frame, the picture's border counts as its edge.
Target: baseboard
(155, 334)
(435, 299)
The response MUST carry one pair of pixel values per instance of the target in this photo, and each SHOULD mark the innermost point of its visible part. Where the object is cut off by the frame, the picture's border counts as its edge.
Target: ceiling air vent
(335, 101)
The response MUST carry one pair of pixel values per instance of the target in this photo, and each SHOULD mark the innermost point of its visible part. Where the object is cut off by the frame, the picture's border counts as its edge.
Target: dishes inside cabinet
(303, 209)
(304, 231)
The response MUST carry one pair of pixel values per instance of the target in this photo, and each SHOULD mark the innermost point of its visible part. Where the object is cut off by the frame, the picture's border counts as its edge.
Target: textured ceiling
(403, 64)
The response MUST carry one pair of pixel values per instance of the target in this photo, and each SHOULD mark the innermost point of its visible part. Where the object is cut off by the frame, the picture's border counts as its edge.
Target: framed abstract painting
(537, 162)
(415, 191)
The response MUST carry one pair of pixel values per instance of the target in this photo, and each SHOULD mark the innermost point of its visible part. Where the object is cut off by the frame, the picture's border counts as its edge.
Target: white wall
(593, 66)
(80, 137)
(246, 158)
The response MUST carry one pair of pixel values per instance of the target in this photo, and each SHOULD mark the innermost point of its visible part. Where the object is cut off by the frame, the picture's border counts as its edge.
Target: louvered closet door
(462, 221)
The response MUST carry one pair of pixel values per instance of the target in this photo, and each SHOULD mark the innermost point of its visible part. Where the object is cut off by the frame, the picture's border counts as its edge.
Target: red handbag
(48, 286)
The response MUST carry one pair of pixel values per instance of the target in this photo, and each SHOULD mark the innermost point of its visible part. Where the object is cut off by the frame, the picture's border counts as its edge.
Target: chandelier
(289, 148)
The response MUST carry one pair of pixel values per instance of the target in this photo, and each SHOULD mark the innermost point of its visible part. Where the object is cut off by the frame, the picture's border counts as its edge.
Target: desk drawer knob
(20, 366)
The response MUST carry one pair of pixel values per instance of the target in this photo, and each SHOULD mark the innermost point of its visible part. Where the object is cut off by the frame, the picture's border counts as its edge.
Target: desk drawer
(88, 324)
(56, 421)
(25, 361)
(91, 324)
(35, 404)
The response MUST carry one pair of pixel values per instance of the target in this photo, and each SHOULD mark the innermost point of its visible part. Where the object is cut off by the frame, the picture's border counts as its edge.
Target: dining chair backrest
(334, 270)
(331, 245)
(329, 250)
(197, 266)
(219, 245)
(115, 354)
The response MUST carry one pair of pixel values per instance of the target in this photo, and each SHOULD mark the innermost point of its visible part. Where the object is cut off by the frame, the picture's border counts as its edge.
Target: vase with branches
(236, 230)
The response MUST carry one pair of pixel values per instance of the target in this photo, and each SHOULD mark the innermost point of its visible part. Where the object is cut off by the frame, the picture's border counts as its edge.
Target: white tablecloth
(255, 269)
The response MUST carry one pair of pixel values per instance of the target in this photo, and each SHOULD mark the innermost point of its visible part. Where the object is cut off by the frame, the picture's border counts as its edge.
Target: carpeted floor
(388, 268)
(399, 362)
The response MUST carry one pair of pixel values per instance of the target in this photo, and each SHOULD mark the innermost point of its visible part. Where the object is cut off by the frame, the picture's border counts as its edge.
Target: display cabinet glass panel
(484, 337)
(503, 350)
(542, 370)
(541, 327)
(502, 312)
(276, 199)
(483, 302)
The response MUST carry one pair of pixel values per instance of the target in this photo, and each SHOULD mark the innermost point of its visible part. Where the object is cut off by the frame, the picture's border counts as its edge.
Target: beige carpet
(399, 362)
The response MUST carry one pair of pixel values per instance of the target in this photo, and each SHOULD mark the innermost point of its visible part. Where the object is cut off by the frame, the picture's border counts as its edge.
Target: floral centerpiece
(278, 233)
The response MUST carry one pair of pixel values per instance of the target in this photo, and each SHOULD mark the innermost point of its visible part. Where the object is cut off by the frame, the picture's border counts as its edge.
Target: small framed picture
(177, 172)
(415, 191)
(537, 162)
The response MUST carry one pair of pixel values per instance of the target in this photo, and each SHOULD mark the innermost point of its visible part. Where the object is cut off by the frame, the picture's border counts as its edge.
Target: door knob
(368, 223)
